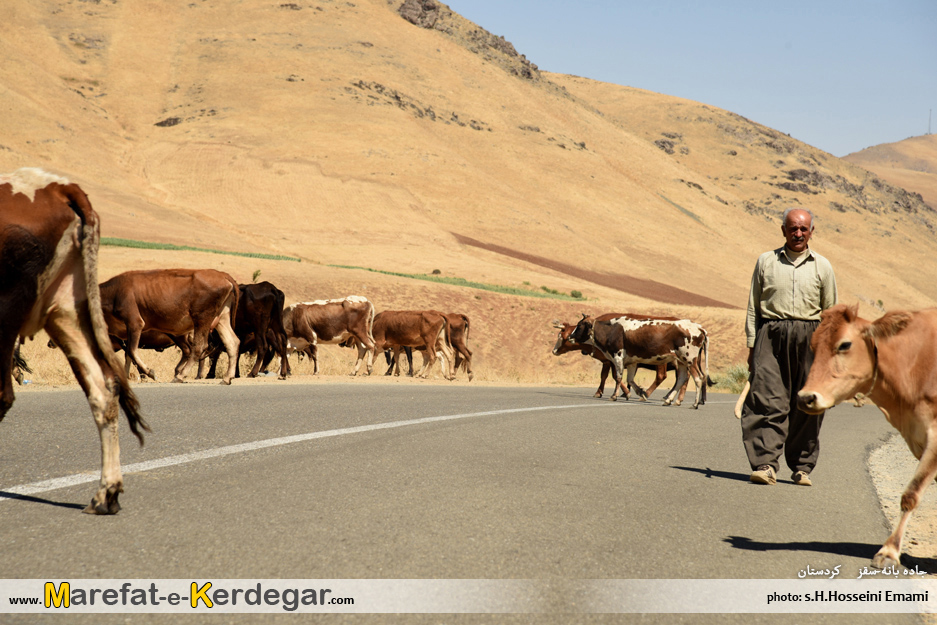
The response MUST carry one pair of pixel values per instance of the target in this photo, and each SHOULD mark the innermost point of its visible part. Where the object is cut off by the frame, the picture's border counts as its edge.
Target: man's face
(797, 229)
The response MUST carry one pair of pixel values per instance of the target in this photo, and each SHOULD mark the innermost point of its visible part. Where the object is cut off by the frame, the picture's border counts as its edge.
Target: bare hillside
(910, 164)
(401, 137)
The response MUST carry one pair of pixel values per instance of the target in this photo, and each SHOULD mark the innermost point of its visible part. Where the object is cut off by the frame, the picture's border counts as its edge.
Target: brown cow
(48, 280)
(177, 302)
(396, 329)
(332, 321)
(892, 362)
(459, 326)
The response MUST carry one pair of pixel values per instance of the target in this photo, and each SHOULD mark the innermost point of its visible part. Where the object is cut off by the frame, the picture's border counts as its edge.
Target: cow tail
(371, 323)
(234, 305)
(278, 328)
(90, 241)
(468, 326)
(705, 372)
(448, 333)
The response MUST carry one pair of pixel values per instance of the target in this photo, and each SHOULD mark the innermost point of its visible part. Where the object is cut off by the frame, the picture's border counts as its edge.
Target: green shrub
(733, 379)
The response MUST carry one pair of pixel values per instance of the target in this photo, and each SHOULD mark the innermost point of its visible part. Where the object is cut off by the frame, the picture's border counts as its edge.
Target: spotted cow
(49, 237)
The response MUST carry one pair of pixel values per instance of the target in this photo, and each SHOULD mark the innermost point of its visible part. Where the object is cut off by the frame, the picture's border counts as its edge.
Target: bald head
(797, 228)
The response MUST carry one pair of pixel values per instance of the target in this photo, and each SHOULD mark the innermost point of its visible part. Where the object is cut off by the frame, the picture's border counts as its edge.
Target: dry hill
(401, 137)
(910, 164)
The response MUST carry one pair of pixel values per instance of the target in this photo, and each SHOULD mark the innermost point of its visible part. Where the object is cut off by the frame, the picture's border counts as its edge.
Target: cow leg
(212, 359)
(397, 351)
(10, 337)
(391, 358)
(428, 360)
(682, 378)
(365, 347)
(617, 371)
(76, 339)
(659, 377)
(698, 381)
(466, 356)
(606, 367)
(260, 336)
(313, 351)
(632, 370)
(231, 342)
(362, 352)
(890, 553)
(448, 357)
(409, 353)
(133, 345)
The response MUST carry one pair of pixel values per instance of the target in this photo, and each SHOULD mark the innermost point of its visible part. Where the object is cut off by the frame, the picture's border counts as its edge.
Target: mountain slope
(910, 164)
(344, 133)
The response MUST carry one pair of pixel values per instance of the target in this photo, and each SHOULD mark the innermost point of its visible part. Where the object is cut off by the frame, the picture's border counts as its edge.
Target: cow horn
(584, 315)
(557, 324)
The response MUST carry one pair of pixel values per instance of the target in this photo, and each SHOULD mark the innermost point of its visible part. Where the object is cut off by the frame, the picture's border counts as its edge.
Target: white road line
(139, 467)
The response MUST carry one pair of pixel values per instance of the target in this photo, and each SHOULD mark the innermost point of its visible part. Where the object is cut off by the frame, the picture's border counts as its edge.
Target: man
(790, 287)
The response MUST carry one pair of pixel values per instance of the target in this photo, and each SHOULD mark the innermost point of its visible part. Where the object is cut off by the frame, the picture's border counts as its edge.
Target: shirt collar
(792, 260)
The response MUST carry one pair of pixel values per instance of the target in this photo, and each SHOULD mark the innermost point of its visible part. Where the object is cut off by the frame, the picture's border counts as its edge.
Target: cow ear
(888, 325)
(851, 312)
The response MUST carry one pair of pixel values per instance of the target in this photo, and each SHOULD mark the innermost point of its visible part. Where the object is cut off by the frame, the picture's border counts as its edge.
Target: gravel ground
(892, 465)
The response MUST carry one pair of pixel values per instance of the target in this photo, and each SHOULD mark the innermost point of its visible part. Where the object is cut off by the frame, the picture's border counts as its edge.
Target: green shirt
(781, 290)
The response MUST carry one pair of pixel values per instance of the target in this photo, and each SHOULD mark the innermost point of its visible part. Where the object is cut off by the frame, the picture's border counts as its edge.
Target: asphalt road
(550, 484)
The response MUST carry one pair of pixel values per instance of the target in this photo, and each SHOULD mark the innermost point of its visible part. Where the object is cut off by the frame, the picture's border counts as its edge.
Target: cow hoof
(884, 559)
(470, 376)
(281, 377)
(178, 381)
(598, 395)
(109, 506)
(677, 403)
(227, 381)
(612, 398)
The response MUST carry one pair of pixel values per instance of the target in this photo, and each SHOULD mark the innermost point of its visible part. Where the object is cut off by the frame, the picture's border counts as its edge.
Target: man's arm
(828, 295)
(754, 308)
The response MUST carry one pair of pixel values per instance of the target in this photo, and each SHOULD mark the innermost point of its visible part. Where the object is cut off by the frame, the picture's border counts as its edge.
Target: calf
(49, 238)
(893, 362)
(177, 302)
(332, 321)
(458, 327)
(397, 329)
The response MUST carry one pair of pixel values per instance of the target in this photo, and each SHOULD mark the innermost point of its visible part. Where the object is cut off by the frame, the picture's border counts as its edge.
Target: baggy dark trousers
(770, 417)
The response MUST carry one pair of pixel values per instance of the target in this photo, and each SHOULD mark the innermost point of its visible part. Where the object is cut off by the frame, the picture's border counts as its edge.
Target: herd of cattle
(49, 237)
(205, 311)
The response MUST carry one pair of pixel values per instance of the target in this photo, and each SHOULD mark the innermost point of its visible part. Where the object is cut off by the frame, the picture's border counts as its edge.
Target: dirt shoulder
(891, 466)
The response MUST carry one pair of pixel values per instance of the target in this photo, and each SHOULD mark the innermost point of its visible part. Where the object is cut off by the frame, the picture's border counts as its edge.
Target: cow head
(845, 356)
(582, 333)
(563, 343)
